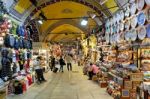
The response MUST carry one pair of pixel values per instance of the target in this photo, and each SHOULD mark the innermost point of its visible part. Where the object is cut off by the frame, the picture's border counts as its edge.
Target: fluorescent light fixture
(40, 21)
(84, 22)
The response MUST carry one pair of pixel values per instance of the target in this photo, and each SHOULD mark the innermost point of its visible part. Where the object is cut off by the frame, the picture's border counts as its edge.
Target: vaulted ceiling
(64, 29)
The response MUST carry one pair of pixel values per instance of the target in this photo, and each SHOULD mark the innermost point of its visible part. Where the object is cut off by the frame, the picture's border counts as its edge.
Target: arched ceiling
(64, 9)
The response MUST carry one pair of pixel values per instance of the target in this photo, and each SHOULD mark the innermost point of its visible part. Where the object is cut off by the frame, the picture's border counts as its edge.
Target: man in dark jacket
(62, 63)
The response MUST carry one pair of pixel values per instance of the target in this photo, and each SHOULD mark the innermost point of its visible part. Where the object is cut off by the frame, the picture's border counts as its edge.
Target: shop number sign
(136, 77)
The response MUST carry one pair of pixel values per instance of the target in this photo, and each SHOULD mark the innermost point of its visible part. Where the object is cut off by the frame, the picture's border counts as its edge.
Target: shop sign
(136, 77)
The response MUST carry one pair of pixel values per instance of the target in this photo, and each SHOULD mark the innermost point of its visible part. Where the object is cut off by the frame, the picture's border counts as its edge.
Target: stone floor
(67, 85)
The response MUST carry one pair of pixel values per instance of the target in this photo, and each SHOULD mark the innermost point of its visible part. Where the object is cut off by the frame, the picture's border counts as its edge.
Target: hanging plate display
(141, 18)
(141, 32)
(127, 36)
(133, 35)
(127, 24)
(133, 8)
(134, 22)
(140, 4)
(147, 2)
(148, 30)
(127, 11)
(121, 15)
(121, 26)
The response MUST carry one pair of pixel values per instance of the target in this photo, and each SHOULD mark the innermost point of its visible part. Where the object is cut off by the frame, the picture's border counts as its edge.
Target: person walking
(38, 69)
(52, 63)
(62, 63)
(69, 60)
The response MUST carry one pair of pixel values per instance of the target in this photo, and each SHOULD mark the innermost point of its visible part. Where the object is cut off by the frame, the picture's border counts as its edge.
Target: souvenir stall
(125, 61)
(16, 55)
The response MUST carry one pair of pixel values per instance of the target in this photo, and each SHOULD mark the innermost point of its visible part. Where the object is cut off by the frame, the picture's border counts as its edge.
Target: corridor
(67, 85)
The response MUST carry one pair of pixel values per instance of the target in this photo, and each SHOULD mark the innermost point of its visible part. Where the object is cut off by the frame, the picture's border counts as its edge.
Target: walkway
(67, 85)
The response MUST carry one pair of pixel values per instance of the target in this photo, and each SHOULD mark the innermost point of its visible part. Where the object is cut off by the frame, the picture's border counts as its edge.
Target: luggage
(55, 70)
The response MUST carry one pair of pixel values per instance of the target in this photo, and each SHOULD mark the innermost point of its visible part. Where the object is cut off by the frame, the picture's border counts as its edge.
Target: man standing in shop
(69, 61)
(38, 69)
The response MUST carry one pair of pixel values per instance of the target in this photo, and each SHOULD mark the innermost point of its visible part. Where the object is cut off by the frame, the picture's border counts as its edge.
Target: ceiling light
(40, 21)
(84, 22)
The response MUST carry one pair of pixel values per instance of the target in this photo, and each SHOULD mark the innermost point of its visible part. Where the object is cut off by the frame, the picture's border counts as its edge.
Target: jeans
(69, 66)
(40, 76)
(61, 68)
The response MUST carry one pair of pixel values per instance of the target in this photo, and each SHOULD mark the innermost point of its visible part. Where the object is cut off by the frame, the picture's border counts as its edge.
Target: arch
(59, 23)
(47, 3)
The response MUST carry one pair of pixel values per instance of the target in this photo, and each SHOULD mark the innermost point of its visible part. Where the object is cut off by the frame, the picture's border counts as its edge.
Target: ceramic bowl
(133, 8)
(133, 21)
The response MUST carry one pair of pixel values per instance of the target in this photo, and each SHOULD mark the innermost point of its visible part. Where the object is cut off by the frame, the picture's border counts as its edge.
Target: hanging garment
(11, 41)
(16, 45)
(6, 40)
(6, 67)
(21, 42)
(20, 31)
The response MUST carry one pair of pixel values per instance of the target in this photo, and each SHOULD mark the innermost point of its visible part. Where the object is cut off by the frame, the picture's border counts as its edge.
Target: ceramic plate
(121, 26)
(127, 24)
(148, 30)
(141, 32)
(141, 18)
(133, 35)
(148, 15)
(134, 22)
(147, 2)
(127, 36)
(133, 8)
(140, 4)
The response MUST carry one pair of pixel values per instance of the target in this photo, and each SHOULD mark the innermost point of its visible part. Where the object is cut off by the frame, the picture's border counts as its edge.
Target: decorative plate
(141, 18)
(127, 11)
(127, 24)
(141, 32)
(134, 22)
(133, 35)
(127, 36)
(121, 26)
(147, 2)
(148, 30)
(140, 4)
(121, 15)
(133, 8)
(148, 15)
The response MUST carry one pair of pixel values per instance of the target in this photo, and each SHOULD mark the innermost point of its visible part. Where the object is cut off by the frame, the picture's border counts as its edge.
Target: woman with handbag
(62, 63)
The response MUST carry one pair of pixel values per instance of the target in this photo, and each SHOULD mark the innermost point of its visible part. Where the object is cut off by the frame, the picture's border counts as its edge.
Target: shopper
(93, 70)
(52, 63)
(38, 69)
(62, 63)
(69, 60)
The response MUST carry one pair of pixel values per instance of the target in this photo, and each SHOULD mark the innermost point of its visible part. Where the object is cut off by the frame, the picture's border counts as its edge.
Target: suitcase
(55, 70)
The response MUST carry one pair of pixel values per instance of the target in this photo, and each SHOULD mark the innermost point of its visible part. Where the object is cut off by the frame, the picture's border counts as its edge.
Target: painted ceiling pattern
(55, 30)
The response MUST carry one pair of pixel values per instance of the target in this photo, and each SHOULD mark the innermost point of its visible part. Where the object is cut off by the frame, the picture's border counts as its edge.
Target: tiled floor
(67, 85)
